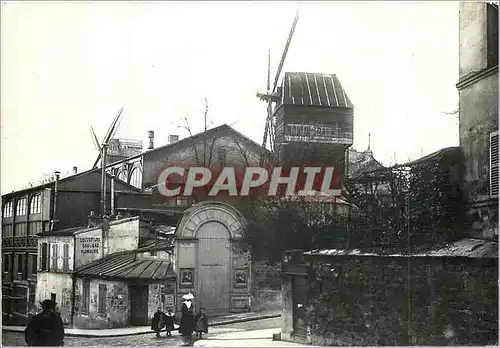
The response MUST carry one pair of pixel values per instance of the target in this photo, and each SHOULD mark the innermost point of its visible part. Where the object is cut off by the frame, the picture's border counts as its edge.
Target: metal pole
(112, 195)
(54, 212)
(104, 160)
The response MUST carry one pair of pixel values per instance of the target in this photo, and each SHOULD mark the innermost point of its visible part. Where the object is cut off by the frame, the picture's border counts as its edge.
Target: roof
(314, 89)
(180, 142)
(468, 247)
(361, 162)
(64, 232)
(125, 265)
(69, 178)
(74, 230)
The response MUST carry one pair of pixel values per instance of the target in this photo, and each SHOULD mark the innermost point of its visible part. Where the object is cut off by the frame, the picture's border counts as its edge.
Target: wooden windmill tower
(312, 120)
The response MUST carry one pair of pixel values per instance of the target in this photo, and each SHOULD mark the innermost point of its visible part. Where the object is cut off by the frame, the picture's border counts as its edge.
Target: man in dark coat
(45, 328)
(158, 322)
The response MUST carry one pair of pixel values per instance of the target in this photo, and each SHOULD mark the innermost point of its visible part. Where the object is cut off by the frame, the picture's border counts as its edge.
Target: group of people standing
(189, 323)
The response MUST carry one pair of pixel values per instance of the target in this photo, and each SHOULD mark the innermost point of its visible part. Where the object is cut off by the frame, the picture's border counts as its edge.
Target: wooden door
(299, 288)
(214, 266)
(139, 305)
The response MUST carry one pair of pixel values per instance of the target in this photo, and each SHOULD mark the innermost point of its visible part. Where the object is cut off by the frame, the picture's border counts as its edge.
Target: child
(169, 322)
(158, 322)
(201, 322)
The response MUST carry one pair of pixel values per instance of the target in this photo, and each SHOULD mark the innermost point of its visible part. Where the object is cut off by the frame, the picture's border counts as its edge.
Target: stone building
(59, 204)
(478, 92)
(69, 260)
(220, 144)
(443, 296)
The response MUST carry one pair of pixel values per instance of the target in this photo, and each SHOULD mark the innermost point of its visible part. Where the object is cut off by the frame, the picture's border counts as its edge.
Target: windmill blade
(112, 128)
(109, 134)
(280, 66)
(94, 139)
(118, 122)
(268, 70)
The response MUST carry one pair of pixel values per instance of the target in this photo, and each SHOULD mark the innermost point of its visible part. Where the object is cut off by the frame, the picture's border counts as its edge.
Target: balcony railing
(318, 134)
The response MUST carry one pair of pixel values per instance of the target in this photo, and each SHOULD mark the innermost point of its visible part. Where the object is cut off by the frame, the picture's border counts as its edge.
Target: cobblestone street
(10, 339)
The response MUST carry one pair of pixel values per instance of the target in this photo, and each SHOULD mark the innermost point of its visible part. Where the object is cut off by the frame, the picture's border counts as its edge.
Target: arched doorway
(213, 264)
(208, 262)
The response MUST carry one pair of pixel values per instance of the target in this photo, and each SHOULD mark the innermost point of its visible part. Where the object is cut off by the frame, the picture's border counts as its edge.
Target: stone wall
(59, 284)
(390, 301)
(117, 306)
(266, 286)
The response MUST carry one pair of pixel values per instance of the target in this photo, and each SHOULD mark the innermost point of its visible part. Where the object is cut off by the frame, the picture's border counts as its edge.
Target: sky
(71, 65)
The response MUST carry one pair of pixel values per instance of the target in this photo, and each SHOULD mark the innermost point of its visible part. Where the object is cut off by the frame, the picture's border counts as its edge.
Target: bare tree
(46, 178)
(212, 145)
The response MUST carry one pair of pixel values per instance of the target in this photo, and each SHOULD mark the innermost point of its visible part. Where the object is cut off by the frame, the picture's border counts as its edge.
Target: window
(21, 207)
(122, 176)
(54, 256)
(35, 204)
(66, 257)
(492, 34)
(85, 296)
(53, 297)
(102, 298)
(7, 231)
(494, 164)
(44, 252)
(21, 229)
(7, 209)
(35, 227)
(6, 263)
(32, 263)
(20, 266)
(221, 156)
(136, 178)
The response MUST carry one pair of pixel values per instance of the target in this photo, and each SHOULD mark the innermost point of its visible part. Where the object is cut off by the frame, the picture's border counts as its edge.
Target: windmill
(271, 95)
(103, 148)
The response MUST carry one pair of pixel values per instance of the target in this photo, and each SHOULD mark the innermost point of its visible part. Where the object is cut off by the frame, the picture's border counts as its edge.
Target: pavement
(140, 330)
(252, 338)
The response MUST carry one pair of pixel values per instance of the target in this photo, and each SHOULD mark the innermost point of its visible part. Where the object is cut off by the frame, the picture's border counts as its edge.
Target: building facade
(478, 92)
(31, 211)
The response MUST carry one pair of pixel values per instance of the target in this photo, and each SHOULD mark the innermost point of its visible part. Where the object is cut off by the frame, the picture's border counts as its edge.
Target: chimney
(75, 170)
(92, 219)
(173, 138)
(56, 191)
(151, 136)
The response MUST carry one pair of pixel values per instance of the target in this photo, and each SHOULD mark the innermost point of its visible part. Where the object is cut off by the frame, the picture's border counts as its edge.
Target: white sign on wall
(90, 245)
(169, 300)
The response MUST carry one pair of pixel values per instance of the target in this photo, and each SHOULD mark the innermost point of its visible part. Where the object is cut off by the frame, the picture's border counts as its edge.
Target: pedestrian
(158, 322)
(201, 323)
(45, 328)
(169, 322)
(187, 325)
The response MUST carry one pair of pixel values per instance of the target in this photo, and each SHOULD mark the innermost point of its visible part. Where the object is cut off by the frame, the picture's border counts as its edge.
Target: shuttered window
(102, 298)
(85, 296)
(44, 252)
(54, 257)
(66, 257)
(494, 164)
